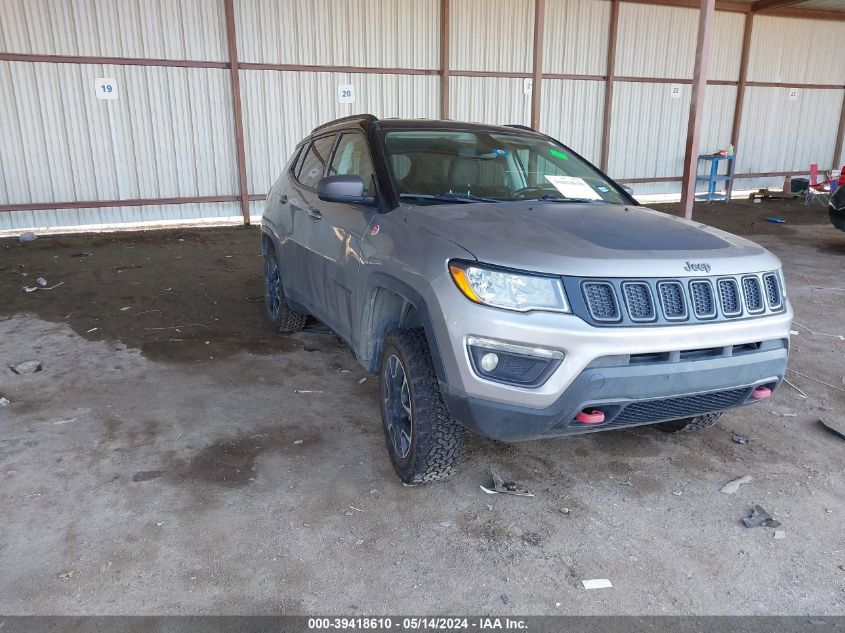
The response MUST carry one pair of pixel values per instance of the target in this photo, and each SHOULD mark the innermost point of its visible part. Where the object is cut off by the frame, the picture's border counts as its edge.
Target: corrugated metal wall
(156, 29)
(171, 132)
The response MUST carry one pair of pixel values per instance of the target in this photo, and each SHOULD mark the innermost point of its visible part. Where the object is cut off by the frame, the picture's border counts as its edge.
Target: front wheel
(280, 314)
(690, 425)
(424, 441)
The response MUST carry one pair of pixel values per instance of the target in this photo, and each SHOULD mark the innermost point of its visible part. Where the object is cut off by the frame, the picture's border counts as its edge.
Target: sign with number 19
(105, 88)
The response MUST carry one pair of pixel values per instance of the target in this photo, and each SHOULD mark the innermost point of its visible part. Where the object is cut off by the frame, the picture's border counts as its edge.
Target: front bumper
(589, 373)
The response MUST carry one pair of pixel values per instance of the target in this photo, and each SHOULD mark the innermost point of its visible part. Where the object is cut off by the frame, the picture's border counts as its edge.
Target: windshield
(448, 166)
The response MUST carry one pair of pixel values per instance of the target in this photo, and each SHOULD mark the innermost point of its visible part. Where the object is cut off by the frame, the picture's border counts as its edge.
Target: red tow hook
(590, 417)
(761, 393)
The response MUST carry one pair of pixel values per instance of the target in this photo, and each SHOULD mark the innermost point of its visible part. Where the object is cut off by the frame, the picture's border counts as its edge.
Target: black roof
(366, 120)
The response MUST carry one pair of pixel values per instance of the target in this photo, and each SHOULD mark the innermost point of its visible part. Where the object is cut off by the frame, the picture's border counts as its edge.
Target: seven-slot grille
(701, 299)
(601, 301)
(729, 296)
(672, 300)
(772, 290)
(703, 303)
(638, 300)
(753, 294)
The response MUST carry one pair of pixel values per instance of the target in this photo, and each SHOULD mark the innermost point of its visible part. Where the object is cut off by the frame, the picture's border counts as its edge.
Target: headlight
(508, 289)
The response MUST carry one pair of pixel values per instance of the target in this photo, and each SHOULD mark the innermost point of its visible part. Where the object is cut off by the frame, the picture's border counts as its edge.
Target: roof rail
(519, 126)
(353, 117)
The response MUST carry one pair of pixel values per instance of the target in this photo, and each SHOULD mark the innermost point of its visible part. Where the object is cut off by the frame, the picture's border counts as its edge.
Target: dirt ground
(164, 462)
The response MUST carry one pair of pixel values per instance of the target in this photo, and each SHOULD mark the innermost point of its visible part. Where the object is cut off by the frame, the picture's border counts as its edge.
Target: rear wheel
(424, 441)
(689, 425)
(281, 316)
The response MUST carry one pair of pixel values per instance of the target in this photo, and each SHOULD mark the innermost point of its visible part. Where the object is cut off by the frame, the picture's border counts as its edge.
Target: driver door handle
(314, 214)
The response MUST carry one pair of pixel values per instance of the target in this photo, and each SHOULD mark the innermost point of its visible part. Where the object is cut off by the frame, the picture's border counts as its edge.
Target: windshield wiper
(448, 197)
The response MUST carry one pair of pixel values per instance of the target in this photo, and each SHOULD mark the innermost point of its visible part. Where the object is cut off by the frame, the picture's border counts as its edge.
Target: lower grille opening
(680, 407)
(648, 358)
(708, 352)
(744, 349)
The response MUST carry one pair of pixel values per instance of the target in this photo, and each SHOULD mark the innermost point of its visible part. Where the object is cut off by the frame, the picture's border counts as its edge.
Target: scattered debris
(360, 541)
(677, 493)
(93, 329)
(597, 583)
(627, 482)
(446, 524)
(733, 486)
(500, 486)
(146, 475)
(362, 381)
(489, 508)
(177, 327)
(65, 575)
(307, 391)
(776, 220)
(801, 393)
(565, 510)
(739, 439)
(125, 308)
(160, 523)
(759, 517)
(837, 429)
(821, 382)
(4, 402)
(354, 508)
(256, 299)
(119, 268)
(801, 325)
(29, 236)
(842, 567)
(794, 332)
(780, 534)
(41, 286)
(298, 441)
(505, 599)
(80, 254)
(27, 367)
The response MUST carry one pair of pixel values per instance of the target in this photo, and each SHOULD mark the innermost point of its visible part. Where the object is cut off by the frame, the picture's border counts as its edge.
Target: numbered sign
(675, 91)
(346, 93)
(793, 94)
(527, 85)
(105, 88)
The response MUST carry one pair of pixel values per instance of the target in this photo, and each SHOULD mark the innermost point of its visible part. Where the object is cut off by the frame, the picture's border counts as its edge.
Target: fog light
(489, 362)
(510, 363)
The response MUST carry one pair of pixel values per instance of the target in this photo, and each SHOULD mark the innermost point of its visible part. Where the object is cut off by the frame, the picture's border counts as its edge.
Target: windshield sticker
(554, 152)
(602, 188)
(572, 187)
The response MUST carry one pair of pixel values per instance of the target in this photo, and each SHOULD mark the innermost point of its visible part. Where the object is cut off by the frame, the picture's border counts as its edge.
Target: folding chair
(817, 191)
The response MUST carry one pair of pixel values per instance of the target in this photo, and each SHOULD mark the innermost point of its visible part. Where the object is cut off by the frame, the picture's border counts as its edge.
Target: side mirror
(344, 189)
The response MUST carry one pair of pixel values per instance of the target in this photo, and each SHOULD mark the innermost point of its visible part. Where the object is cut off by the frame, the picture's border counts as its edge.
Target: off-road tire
(282, 318)
(690, 425)
(437, 440)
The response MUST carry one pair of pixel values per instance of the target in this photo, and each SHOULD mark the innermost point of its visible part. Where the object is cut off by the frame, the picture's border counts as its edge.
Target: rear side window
(352, 158)
(314, 164)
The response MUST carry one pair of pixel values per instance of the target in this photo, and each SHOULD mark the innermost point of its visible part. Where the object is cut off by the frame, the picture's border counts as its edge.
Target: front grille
(639, 302)
(681, 407)
(672, 300)
(753, 294)
(703, 304)
(729, 296)
(601, 301)
(772, 290)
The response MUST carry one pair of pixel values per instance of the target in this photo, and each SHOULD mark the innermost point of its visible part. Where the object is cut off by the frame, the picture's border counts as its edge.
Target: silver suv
(497, 281)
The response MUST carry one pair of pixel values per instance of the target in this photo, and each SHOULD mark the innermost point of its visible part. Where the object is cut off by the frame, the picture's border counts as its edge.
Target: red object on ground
(590, 417)
(761, 393)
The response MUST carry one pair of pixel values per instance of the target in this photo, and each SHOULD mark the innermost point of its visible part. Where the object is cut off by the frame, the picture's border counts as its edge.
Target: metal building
(117, 111)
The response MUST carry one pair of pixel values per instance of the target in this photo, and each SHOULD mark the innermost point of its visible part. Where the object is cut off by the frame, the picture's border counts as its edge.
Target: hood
(591, 240)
